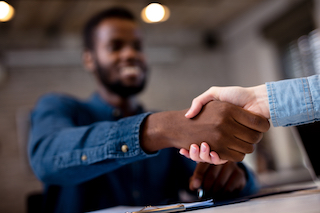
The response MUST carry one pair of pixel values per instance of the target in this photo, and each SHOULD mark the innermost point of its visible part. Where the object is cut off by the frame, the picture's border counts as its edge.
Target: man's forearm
(160, 131)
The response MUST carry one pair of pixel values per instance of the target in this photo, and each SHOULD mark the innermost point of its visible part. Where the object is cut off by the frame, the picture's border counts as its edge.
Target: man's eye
(115, 46)
(137, 46)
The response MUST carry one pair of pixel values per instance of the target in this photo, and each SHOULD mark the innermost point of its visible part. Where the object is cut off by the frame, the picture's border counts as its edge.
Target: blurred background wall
(203, 43)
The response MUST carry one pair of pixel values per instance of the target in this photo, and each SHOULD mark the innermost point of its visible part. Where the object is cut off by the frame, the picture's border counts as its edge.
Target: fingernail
(187, 114)
(211, 155)
(180, 152)
(193, 149)
(196, 183)
(203, 148)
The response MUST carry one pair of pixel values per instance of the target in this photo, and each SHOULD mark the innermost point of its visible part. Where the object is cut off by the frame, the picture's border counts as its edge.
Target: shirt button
(84, 157)
(124, 148)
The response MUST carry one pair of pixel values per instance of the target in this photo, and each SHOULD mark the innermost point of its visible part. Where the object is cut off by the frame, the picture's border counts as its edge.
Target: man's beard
(118, 87)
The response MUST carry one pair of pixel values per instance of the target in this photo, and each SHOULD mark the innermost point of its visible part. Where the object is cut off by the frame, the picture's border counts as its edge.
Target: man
(105, 151)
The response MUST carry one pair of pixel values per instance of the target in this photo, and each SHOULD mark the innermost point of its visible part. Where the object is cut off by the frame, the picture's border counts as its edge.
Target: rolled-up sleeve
(295, 101)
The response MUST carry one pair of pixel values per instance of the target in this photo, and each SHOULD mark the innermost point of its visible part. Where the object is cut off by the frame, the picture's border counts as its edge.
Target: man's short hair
(90, 26)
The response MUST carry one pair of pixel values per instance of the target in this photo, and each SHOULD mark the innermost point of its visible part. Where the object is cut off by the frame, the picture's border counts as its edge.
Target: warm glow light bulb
(6, 11)
(155, 12)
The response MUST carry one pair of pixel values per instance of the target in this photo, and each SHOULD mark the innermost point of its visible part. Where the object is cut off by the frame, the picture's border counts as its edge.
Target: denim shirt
(295, 101)
(76, 150)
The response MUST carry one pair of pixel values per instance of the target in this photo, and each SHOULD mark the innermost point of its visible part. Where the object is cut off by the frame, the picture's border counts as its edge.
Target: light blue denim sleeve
(295, 101)
(64, 154)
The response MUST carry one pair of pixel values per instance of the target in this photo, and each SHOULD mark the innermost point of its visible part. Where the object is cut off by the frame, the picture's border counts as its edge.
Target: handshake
(253, 99)
(223, 124)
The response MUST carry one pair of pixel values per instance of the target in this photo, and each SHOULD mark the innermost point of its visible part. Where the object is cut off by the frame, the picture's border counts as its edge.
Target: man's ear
(88, 61)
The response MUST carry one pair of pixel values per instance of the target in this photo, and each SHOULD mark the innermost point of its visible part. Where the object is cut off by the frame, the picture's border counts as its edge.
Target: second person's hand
(254, 99)
(202, 154)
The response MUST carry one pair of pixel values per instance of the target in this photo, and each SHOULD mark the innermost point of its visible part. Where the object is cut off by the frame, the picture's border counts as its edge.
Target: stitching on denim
(273, 103)
(304, 95)
(309, 91)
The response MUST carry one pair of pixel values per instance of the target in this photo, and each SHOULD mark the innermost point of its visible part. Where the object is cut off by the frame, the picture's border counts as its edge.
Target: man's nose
(130, 53)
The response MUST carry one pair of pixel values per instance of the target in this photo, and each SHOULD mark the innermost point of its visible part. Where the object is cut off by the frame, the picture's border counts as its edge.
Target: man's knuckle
(256, 121)
(257, 137)
(239, 158)
(266, 126)
(250, 149)
(260, 122)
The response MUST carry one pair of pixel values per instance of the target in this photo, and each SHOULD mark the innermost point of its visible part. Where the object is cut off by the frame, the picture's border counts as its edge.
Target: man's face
(119, 62)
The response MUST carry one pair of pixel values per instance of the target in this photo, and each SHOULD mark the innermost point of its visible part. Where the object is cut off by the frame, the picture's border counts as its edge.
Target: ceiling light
(6, 11)
(154, 13)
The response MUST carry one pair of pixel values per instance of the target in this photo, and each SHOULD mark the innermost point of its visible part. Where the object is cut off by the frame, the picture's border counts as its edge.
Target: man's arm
(63, 153)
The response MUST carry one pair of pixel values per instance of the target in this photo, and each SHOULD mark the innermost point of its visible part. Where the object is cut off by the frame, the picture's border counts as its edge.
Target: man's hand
(222, 181)
(254, 99)
(229, 130)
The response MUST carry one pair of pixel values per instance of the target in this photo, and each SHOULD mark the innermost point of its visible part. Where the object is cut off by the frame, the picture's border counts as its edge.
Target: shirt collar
(104, 110)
